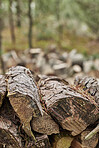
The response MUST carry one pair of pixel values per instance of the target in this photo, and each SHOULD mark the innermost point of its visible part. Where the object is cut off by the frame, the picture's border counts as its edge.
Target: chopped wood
(90, 85)
(9, 134)
(61, 140)
(2, 88)
(89, 143)
(67, 110)
(23, 96)
(42, 141)
(92, 133)
(75, 144)
(45, 125)
(73, 109)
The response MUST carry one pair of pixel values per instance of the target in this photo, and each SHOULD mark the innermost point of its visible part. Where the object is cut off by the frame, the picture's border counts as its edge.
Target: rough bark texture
(23, 95)
(9, 134)
(90, 85)
(69, 107)
(45, 125)
(91, 143)
(2, 88)
(73, 109)
(42, 141)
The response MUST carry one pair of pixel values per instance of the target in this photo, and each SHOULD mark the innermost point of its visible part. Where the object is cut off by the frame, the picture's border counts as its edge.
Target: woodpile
(48, 112)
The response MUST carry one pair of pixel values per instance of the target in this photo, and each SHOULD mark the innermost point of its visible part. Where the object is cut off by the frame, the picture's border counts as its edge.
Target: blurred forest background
(67, 24)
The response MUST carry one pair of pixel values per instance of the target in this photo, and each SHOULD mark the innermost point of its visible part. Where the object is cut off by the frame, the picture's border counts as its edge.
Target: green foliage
(90, 9)
(52, 19)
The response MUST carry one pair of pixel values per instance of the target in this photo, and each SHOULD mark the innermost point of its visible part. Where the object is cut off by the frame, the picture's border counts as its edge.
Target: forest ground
(65, 42)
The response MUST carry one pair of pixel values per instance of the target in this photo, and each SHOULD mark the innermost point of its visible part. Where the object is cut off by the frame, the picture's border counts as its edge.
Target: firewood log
(72, 107)
(2, 88)
(23, 96)
(9, 126)
(45, 124)
(90, 85)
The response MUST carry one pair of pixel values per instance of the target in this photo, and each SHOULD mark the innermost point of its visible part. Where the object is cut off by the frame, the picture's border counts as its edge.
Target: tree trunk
(58, 20)
(11, 22)
(18, 13)
(30, 24)
(1, 27)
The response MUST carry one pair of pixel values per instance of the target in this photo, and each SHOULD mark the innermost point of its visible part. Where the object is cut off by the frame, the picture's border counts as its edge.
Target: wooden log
(90, 85)
(2, 88)
(75, 144)
(61, 140)
(92, 133)
(42, 141)
(73, 109)
(80, 141)
(9, 134)
(45, 124)
(90, 143)
(23, 96)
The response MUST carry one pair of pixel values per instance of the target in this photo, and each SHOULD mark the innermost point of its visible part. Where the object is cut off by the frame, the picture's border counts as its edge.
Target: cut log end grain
(23, 95)
(45, 125)
(62, 140)
(68, 107)
(73, 109)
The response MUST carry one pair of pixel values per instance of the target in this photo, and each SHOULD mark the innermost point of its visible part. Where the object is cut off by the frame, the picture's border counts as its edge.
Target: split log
(45, 125)
(2, 88)
(92, 133)
(9, 134)
(90, 85)
(42, 141)
(80, 141)
(23, 96)
(70, 106)
(92, 142)
(9, 126)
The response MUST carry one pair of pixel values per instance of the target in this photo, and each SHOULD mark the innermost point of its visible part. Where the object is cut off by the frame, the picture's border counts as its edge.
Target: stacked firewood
(48, 112)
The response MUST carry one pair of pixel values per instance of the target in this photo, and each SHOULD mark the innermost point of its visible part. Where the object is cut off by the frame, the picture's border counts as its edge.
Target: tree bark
(2, 89)
(18, 13)
(23, 96)
(11, 22)
(72, 107)
(42, 141)
(30, 24)
(89, 85)
(58, 20)
(23, 123)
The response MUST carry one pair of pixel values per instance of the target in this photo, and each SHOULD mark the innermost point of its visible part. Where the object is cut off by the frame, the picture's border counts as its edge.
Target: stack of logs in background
(48, 111)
